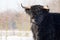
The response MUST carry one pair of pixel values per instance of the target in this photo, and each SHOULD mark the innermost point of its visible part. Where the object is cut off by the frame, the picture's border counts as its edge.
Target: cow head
(36, 10)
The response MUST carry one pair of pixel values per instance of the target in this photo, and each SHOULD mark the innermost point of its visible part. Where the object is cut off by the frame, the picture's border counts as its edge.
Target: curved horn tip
(25, 7)
(22, 5)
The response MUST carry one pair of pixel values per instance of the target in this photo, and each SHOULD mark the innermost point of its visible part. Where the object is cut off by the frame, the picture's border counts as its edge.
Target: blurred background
(15, 23)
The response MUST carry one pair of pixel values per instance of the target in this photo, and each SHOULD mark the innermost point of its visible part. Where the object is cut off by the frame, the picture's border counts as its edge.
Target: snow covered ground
(15, 35)
(16, 38)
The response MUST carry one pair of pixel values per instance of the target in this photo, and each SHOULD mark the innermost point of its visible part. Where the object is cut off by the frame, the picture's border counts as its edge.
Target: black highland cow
(45, 25)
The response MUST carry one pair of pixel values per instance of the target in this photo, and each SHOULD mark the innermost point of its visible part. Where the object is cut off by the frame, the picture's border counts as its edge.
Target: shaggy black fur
(45, 25)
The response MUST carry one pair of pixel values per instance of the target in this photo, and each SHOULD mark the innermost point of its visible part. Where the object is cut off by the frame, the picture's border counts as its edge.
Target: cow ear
(27, 9)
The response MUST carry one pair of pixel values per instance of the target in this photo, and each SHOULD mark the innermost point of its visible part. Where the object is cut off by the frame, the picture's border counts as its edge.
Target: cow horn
(46, 7)
(24, 7)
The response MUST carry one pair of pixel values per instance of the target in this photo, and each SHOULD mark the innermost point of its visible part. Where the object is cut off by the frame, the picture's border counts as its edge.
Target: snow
(15, 35)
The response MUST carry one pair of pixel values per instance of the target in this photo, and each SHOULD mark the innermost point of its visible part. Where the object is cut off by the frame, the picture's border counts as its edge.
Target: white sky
(15, 4)
(8, 4)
